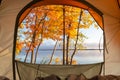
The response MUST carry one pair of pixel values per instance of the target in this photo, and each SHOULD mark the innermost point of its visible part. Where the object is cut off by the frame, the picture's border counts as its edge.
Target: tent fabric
(60, 70)
(111, 14)
(6, 64)
(111, 17)
(8, 12)
(97, 15)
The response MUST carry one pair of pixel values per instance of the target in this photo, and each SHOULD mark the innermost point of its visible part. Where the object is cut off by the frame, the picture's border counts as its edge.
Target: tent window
(57, 34)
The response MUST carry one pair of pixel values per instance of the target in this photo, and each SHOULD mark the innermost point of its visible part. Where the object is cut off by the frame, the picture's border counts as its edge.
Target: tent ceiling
(82, 4)
(118, 3)
(112, 9)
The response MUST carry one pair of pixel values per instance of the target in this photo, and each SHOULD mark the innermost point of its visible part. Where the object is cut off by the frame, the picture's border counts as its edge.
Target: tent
(10, 8)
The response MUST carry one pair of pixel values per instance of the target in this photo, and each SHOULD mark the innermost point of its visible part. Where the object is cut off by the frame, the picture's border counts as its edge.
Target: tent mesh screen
(29, 71)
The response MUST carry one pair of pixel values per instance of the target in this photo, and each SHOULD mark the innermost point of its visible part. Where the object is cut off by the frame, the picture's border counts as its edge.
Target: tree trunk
(67, 50)
(76, 38)
(63, 35)
(40, 39)
(53, 52)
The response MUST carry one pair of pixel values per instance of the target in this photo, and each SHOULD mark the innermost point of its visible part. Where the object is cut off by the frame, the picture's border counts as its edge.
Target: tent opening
(58, 35)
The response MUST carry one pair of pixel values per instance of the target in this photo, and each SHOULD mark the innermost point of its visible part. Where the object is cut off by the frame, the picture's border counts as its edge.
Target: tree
(56, 22)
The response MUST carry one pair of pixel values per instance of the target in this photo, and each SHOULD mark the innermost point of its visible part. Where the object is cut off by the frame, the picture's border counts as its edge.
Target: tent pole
(104, 47)
(14, 47)
(13, 57)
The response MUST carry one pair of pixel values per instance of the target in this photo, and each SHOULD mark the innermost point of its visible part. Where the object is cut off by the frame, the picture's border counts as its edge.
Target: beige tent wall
(8, 12)
(113, 44)
(111, 16)
(10, 8)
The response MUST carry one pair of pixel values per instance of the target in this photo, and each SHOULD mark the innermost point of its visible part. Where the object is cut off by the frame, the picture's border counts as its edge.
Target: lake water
(81, 56)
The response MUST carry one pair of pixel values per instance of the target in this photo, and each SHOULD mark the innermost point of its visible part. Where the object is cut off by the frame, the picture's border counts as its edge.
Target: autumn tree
(60, 23)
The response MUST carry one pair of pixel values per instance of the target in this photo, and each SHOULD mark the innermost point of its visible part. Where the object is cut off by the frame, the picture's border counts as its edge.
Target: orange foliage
(46, 22)
(19, 47)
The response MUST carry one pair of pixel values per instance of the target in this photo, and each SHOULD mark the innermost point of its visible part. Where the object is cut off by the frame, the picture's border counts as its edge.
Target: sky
(82, 57)
(94, 38)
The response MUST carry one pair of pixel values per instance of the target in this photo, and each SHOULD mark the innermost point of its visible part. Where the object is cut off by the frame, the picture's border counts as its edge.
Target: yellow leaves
(72, 33)
(53, 23)
(19, 47)
(32, 45)
(84, 26)
(39, 15)
(32, 28)
(21, 25)
(17, 51)
(74, 62)
(47, 22)
(57, 60)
